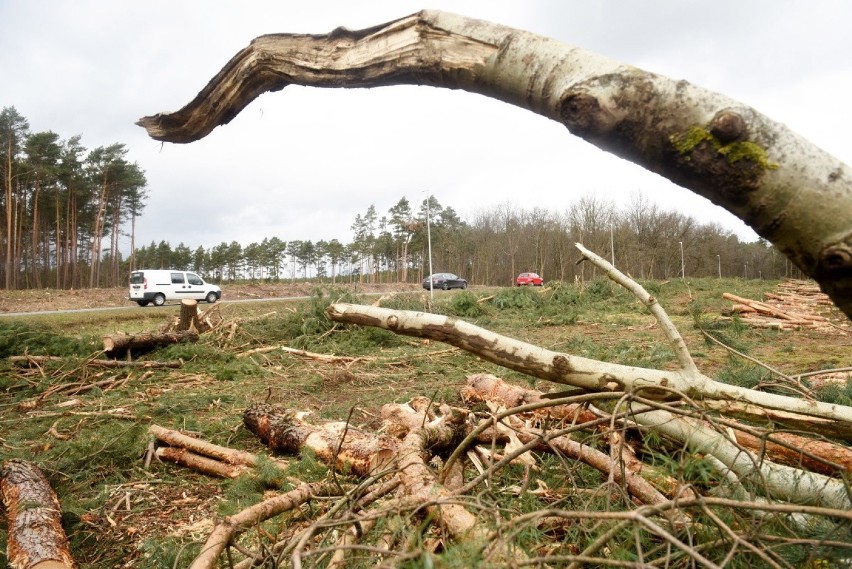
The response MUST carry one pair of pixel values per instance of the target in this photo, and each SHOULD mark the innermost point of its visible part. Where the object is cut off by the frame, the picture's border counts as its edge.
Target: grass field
(86, 427)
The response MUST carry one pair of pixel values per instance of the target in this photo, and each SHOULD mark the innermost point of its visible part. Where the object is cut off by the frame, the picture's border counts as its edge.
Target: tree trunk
(792, 193)
(188, 315)
(118, 345)
(35, 535)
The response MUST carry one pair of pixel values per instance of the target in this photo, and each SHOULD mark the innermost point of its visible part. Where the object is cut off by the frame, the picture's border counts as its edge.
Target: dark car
(444, 281)
(529, 279)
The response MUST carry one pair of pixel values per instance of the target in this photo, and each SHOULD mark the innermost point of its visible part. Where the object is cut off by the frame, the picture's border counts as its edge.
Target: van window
(137, 278)
(177, 278)
(194, 279)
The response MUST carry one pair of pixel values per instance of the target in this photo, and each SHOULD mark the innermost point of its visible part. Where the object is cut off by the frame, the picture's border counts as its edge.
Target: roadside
(53, 299)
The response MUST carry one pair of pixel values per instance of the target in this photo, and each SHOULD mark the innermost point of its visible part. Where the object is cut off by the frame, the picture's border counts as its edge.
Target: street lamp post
(429, 246)
(682, 265)
(611, 244)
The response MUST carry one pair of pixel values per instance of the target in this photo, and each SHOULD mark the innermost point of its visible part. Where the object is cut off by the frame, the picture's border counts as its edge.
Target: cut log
(200, 463)
(204, 448)
(35, 535)
(336, 444)
(487, 387)
(188, 315)
(792, 452)
(118, 345)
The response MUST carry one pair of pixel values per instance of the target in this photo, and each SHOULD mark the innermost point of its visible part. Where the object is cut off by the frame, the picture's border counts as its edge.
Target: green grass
(96, 459)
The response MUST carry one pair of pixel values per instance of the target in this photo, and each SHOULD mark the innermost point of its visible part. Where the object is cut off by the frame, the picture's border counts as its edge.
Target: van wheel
(159, 300)
(142, 302)
(212, 297)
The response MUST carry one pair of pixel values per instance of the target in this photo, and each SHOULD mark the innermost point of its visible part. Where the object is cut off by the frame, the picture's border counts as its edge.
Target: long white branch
(568, 369)
(791, 192)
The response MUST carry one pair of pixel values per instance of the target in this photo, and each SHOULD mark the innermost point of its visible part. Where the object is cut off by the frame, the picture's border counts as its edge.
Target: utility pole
(719, 258)
(429, 245)
(611, 244)
(682, 265)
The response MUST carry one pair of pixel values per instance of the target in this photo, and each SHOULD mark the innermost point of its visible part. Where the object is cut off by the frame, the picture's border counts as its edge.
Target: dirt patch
(54, 299)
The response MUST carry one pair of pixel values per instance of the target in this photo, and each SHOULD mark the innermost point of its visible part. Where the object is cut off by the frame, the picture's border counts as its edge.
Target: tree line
(642, 239)
(63, 208)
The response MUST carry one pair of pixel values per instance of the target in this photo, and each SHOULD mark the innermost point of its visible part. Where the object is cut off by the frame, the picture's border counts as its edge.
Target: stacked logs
(795, 305)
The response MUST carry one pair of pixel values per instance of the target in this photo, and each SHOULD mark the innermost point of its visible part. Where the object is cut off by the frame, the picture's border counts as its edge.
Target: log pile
(794, 305)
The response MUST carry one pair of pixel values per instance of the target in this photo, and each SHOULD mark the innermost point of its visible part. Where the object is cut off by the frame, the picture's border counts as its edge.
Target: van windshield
(137, 278)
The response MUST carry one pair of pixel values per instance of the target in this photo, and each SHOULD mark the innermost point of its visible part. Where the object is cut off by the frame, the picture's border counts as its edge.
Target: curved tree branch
(791, 192)
(568, 369)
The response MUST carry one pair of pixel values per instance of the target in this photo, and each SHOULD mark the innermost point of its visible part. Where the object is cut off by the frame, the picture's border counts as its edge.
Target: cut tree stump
(35, 534)
(188, 315)
(117, 345)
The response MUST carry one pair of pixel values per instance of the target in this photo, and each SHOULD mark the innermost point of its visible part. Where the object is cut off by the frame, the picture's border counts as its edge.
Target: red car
(529, 279)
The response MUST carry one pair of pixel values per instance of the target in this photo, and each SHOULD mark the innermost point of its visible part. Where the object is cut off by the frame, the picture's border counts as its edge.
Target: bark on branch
(790, 191)
(577, 371)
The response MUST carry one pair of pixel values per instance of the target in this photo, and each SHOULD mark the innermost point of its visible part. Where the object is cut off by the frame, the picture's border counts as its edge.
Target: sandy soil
(53, 299)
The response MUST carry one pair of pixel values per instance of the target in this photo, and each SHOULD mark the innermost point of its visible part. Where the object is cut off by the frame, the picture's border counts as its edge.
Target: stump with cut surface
(36, 538)
(188, 315)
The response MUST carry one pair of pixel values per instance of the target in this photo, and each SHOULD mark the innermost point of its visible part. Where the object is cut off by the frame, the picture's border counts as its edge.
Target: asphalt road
(149, 307)
(152, 307)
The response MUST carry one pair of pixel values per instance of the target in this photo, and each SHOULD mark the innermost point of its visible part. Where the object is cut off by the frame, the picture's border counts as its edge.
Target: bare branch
(790, 191)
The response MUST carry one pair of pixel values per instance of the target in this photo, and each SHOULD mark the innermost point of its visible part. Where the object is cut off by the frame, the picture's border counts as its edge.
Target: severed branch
(790, 191)
(109, 364)
(324, 358)
(668, 327)
(232, 526)
(203, 456)
(577, 371)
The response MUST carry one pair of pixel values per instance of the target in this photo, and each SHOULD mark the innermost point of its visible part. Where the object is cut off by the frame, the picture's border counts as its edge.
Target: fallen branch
(672, 128)
(222, 454)
(35, 535)
(118, 345)
(325, 358)
(106, 364)
(577, 371)
(200, 463)
(232, 526)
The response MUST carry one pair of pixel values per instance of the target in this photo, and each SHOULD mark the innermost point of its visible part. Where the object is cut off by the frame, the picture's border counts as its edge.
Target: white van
(158, 286)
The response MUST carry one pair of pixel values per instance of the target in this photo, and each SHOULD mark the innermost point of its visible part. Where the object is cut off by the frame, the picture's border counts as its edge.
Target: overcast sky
(302, 162)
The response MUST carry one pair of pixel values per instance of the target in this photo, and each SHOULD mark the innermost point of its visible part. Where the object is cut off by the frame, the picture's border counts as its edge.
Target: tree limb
(791, 192)
(569, 369)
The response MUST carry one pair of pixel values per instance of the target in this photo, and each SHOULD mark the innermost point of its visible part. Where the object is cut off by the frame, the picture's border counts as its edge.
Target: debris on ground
(795, 304)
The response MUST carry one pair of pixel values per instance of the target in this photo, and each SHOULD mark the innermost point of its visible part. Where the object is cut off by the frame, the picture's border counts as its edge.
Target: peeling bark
(791, 192)
(35, 535)
(487, 387)
(336, 444)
